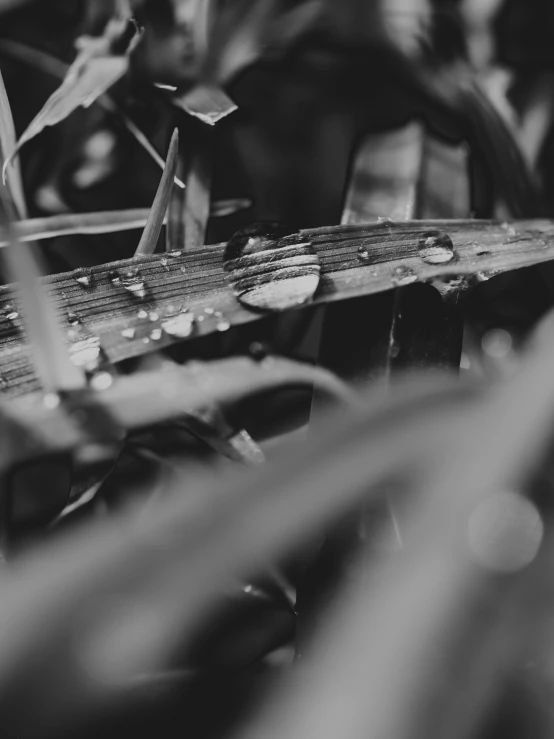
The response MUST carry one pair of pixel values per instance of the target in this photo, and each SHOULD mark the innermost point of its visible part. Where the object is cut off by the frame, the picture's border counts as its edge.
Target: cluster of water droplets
(175, 321)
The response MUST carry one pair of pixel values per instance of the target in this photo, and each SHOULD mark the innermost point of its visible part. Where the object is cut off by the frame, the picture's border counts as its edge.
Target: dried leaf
(101, 62)
(158, 212)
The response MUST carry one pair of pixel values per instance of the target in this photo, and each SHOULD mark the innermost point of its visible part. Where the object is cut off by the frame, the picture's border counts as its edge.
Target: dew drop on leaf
(436, 247)
(271, 267)
(132, 280)
(403, 276)
(101, 381)
(83, 277)
(73, 319)
(180, 326)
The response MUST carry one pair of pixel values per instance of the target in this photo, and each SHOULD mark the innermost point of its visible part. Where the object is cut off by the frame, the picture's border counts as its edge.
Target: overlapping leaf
(100, 63)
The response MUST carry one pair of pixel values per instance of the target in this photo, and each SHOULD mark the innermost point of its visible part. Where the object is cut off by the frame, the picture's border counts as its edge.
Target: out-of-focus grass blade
(51, 357)
(104, 222)
(243, 30)
(239, 34)
(198, 194)
(98, 66)
(223, 208)
(7, 144)
(207, 103)
(385, 177)
(175, 230)
(158, 212)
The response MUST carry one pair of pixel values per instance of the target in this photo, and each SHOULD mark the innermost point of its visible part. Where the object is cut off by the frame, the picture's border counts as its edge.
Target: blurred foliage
(161, 575)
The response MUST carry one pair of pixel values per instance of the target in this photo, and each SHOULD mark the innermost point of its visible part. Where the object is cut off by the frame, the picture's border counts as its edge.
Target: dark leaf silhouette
(100, 63)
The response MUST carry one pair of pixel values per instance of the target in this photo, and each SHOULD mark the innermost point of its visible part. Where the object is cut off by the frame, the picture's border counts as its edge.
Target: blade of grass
(8, 140)
(105, 222)
(51, 357)
(160, 205)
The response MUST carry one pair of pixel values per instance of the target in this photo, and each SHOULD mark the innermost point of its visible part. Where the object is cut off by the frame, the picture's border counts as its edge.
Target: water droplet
(73, 319)
(209, 311)
(183, 270)
(223, 326)
(153, 316)
(497, 343)
(83, 276)
(86, 353)
(132, 280)
(156, 334)
(164, 263)
(508, 227)
(101, 381)
(142, 314)
(485, 276)
(138, 289)
(394, 349)
(10, 313)
(403, 276)
(384, 219)
(505, 532)
(436, 247)
(270, 267)
(259, 351)
(364, 255)
(201, 318)
(180, 326)
(146, 340)
(174, 254)
(128, 333)
(51, 401)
